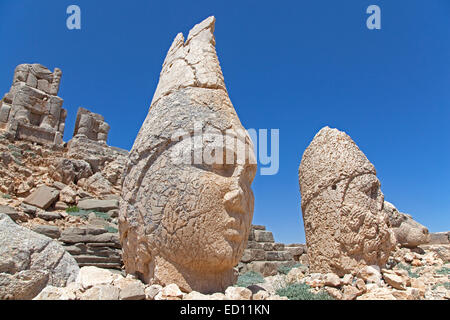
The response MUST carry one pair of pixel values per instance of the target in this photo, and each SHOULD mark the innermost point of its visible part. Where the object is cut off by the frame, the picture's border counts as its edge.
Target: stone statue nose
(235, 199)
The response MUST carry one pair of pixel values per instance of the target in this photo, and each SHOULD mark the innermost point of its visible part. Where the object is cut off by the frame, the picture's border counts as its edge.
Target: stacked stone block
(265, 256)
(93, 247)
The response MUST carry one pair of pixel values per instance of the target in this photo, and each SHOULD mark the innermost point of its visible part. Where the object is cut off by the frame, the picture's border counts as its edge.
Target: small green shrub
(102, 215)
(446, 285)
(249, 278)
(111, 229)
(444, 271)
(284, 269)
(76, 212)
(301, 291)
(6, 196)
(72, 209)
(408, 268)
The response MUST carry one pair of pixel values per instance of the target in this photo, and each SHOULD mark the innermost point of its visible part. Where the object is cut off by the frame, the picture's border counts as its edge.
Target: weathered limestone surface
(345, 225)
(30, 261)
(91, 125)
(31, 110)
(179, 223)
(408, 232)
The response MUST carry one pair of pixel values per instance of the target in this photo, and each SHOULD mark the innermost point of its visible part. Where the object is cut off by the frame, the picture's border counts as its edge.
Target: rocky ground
(411, 275)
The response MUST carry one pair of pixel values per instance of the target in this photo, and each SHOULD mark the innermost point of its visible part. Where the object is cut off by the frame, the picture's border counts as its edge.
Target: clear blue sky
(292, 65)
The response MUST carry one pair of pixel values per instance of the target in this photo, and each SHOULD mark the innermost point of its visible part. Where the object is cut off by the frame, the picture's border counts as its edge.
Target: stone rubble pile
(99, 284)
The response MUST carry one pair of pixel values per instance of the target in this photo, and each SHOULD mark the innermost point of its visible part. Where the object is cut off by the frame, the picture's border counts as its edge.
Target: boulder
(30, 261)
(98, 205)
(68, 195)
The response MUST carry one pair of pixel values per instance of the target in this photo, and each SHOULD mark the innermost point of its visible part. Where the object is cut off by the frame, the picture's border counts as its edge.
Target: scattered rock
(395, 281)
(152, 291)
(170, 292)
(238, 293)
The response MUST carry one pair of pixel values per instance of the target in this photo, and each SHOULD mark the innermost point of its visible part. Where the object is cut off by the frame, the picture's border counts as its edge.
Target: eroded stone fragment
(182, 222)
(345, 225)
(408, 232)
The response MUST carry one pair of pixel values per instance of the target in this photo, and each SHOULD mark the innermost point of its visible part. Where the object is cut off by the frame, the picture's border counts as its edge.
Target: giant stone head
(342, 204)
(187, 202)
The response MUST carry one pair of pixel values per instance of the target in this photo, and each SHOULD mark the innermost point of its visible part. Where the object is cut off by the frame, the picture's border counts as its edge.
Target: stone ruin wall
(266, 256)
(31, 110)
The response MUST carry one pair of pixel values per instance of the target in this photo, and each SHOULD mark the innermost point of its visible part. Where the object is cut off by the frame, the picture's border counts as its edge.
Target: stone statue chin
(187, 222)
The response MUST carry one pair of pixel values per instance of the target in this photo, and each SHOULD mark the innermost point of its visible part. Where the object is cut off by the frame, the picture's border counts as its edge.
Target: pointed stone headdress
(331, 157)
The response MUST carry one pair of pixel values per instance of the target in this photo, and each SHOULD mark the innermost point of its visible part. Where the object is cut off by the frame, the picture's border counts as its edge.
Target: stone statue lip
(234, 229)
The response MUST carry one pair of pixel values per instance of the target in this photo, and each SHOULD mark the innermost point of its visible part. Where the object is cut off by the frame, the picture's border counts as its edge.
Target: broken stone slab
(49, 231)
(59, 185)
(43, 197)
(77, 235)
(96, 259)
(117, 266)
(48, 216)
(61, 205)
(98, 205)
(28, 209)
(12, 213)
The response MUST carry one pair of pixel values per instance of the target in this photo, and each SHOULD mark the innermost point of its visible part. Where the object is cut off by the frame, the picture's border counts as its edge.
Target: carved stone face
(206, 214)
(365, 225)
(187, 222)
